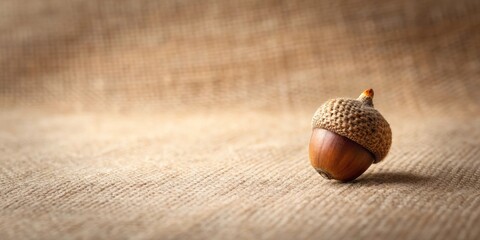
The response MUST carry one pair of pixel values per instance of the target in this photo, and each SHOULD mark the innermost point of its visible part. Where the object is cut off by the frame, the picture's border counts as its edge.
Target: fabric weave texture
(183, 119)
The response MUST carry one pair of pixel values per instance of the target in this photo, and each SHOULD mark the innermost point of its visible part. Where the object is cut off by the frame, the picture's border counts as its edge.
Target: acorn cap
(357, 120)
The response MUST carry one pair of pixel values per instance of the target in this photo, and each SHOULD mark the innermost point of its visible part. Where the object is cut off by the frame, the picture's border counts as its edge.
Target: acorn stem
(367, 97)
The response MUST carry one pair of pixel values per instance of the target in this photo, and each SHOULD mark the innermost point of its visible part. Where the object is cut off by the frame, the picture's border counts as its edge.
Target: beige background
(191, 119)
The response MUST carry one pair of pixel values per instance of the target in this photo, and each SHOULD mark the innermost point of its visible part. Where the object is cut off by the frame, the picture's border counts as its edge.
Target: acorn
(348, 135)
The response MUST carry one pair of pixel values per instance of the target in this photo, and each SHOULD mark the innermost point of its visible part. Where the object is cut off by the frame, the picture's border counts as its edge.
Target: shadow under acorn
(400, 178)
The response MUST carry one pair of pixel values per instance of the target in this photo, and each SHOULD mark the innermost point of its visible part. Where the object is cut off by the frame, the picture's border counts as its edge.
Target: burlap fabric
(191, 119)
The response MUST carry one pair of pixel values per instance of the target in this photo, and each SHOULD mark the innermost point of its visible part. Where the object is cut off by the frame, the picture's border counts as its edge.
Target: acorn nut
(348, 136)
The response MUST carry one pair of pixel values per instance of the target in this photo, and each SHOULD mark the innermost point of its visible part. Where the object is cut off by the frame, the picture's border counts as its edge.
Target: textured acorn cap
(357, 120)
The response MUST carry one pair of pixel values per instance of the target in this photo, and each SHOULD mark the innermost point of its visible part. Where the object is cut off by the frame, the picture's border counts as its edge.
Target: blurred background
(124, 55)
(185, 119)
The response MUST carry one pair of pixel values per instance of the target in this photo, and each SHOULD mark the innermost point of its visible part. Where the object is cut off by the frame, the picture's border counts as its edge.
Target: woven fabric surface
(136, 119)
